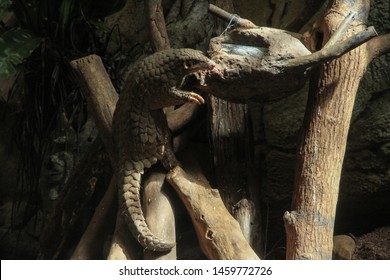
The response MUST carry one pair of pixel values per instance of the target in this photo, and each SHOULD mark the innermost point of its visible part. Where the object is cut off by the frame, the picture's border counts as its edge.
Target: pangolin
(140, 130)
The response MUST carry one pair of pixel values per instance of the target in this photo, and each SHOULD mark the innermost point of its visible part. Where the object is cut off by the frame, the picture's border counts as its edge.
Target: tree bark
(95, 80)
(309, 224)
(219, 234)
(245, 213)
(156, 22)
(159, 214)
(102, 97)
(231, 147)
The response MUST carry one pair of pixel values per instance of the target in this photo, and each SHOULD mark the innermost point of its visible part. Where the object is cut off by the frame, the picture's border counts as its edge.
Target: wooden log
(159, 214)
(231, 145)
(101, 97)
(231, 18)
(245, 214)
(219, 234)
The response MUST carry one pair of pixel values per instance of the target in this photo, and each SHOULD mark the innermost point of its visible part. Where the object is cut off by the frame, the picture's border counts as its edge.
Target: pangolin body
(140, 130)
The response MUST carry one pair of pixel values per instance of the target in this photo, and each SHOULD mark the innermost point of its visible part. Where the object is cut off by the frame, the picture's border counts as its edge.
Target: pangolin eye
(188, 64)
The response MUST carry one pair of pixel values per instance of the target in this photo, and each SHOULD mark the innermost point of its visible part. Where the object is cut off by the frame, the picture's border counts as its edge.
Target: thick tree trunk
(231, 141)
(102, 98)
(309, 225)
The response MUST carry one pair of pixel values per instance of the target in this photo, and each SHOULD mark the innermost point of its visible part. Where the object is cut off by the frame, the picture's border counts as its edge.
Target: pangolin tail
(130, 184)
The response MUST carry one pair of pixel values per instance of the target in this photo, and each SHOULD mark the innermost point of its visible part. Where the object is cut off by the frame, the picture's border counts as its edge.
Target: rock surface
(374, 245)
(343, 247)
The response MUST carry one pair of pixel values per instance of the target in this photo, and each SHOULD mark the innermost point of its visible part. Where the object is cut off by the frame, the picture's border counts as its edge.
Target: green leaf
(66, 13)
(15, 46)
(4, 5)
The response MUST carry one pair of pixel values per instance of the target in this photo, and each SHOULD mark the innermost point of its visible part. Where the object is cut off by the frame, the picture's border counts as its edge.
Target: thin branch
(310, 223)
(231, 18)
(378, 46)
(101, 97)
(330, 52)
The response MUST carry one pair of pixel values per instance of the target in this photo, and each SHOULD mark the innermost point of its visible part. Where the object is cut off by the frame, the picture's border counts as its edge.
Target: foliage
(55, 19)
(4, 5)
(15, 46)
(50, 33)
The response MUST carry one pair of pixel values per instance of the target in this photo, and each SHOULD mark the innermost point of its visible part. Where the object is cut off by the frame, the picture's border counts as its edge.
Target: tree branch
(219, 234)
(156, 22)
(101, 97)
(378, 46)
(231, 18)
(159, 213)
(331, 51)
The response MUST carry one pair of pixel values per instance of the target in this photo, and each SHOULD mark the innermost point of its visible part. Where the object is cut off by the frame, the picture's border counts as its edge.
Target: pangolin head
(195, 61)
